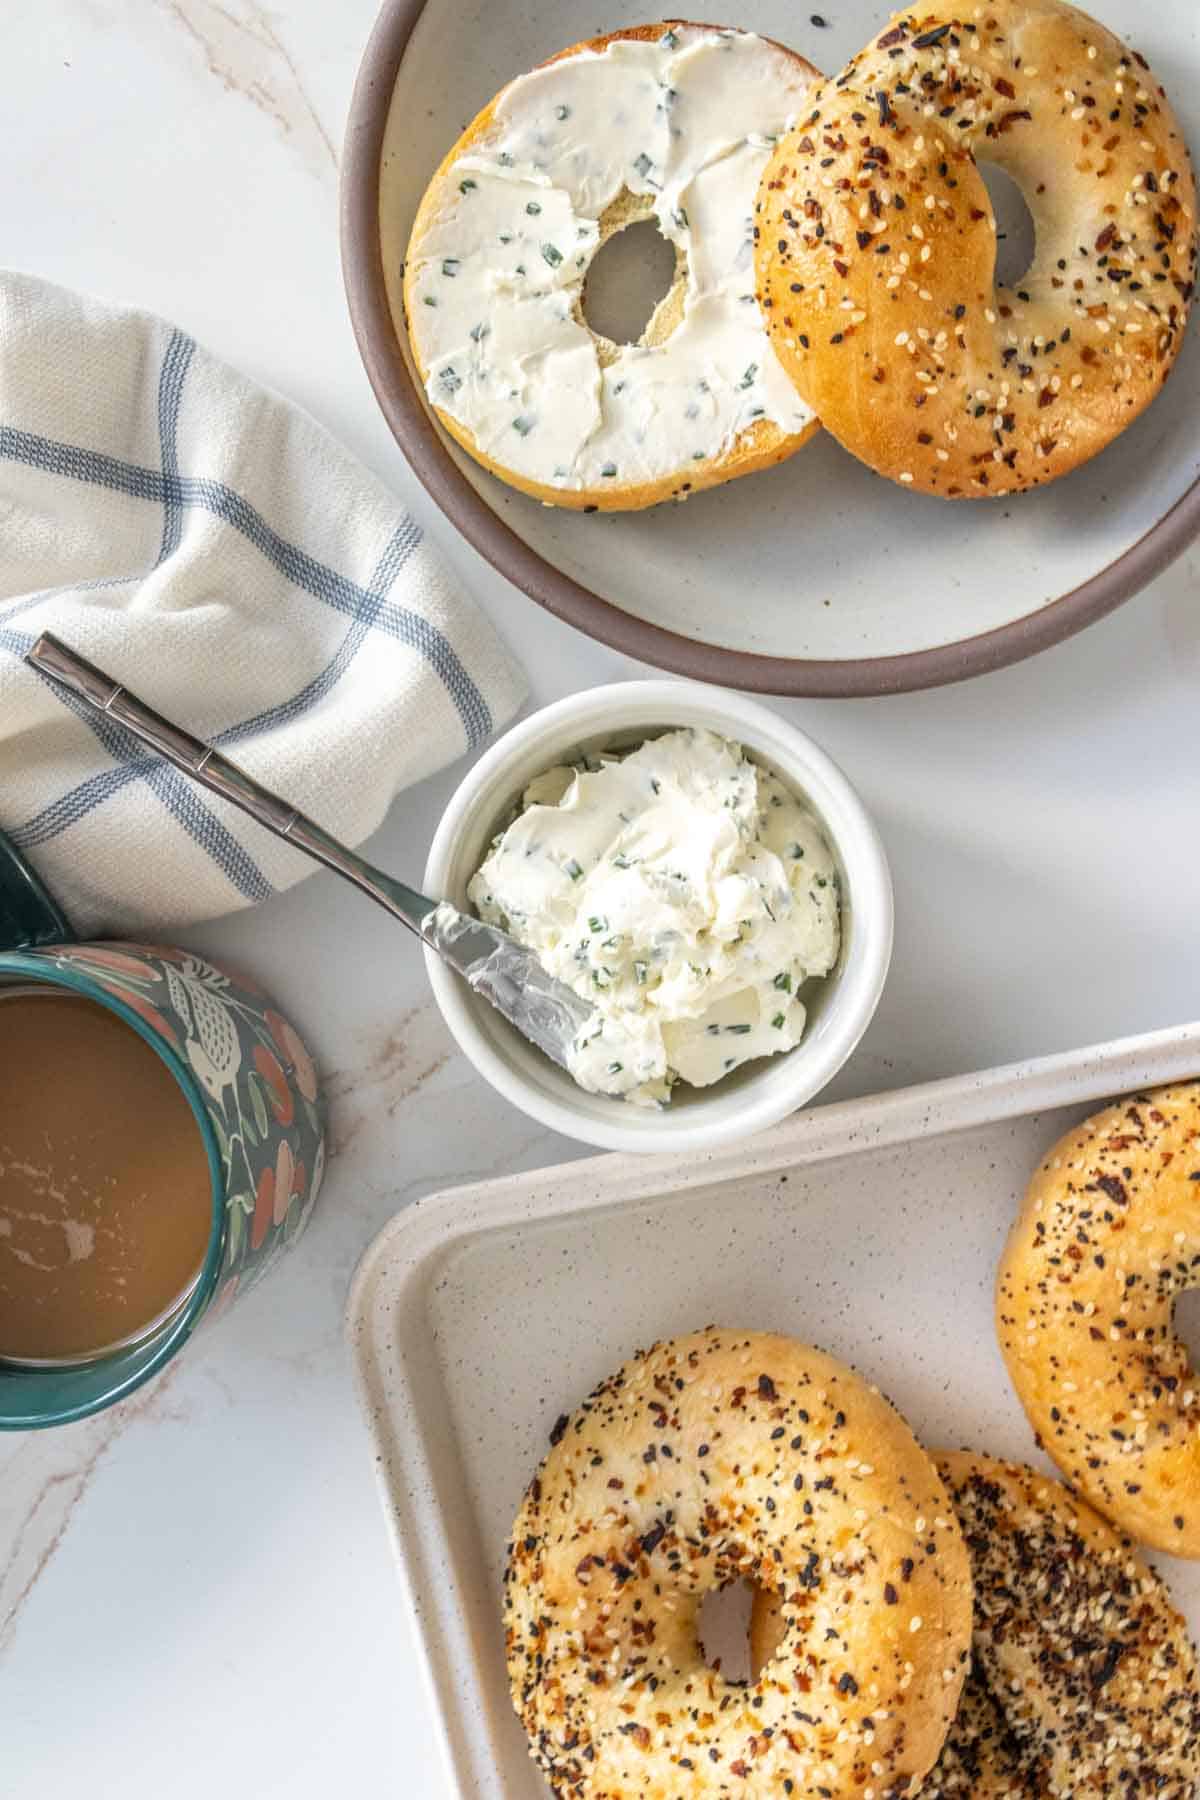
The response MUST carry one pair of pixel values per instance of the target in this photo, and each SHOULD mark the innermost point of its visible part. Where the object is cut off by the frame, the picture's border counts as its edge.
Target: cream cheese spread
(496, 280)
(685, 892)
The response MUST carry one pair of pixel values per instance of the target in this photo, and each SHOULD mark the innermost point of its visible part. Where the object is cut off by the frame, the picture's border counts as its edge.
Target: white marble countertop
(195, 1589)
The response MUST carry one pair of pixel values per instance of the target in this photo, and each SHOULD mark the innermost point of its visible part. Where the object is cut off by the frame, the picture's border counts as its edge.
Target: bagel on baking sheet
(713, 1458)
(876, 246)
(670, 122)
(1107, 1239)
(1084, 1679)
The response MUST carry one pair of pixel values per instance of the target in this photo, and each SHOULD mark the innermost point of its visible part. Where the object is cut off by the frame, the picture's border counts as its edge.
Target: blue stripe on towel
(120, 744)
(180, 796)
(400, 547)
(175, 366)
(173, 789)
(80, 465)
(316, 578)
(185, 802)
(337, 591)
(367, 609)
(177, 794)
(69, 808)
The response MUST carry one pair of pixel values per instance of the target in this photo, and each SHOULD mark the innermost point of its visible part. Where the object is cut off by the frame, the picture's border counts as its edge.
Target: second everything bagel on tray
(1107, 1240)
(875, 241)
(1084, 1680)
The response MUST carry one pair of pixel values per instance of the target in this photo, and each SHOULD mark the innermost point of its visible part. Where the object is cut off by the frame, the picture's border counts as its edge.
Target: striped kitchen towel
(216, 551)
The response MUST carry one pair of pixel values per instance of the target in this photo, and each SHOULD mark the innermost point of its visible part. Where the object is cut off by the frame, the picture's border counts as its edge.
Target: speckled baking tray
(871, 1228)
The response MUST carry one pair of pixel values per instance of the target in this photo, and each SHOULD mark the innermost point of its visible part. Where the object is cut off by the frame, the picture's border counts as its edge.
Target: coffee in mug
(105, 1190)
(162, 1143)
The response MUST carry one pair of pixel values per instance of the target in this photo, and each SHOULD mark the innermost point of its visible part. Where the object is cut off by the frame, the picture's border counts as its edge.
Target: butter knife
(493, 965)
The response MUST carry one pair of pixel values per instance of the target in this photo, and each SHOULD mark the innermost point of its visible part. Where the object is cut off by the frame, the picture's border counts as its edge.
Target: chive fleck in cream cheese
(685, 892)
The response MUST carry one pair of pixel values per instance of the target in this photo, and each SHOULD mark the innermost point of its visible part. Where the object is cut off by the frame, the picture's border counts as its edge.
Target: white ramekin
(840, 1007)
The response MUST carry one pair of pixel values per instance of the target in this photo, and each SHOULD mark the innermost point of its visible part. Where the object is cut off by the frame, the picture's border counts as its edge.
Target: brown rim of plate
(425, 448)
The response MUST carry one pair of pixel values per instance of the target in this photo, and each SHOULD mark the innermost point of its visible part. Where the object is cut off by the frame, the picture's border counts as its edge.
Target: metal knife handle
(52, 658)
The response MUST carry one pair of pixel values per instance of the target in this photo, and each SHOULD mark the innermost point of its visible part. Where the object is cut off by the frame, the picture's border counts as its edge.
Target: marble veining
(392, 1067)
(244, 52)
(52, 1472)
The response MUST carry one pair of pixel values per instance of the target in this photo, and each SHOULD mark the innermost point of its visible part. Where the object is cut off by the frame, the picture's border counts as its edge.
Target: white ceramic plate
(872, 1228)
(818, 576)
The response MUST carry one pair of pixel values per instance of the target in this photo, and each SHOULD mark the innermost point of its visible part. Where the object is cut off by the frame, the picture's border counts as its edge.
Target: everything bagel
(876, 247)
(1108, 1237)
(713, 1458)
(1084, 1679)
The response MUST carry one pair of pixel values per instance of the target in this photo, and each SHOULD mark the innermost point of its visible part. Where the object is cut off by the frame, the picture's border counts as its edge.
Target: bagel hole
(724, 1629)
(1187, 1323)
(631, 273)
(1016, 234)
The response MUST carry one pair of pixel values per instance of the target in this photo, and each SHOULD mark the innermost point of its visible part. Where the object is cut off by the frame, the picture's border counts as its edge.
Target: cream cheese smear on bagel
(685, 892)
(676, 128)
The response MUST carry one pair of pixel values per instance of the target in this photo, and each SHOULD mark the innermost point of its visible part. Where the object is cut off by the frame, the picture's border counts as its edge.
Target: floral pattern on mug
(254, 1075)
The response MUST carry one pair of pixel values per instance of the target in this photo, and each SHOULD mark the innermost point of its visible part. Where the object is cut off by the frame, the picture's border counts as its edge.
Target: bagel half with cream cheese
(671, 122)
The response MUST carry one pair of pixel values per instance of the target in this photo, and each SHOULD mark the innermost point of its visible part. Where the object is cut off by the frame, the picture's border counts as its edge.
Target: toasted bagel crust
(1084, 1679)
(876, 247)
(1107, 1239)
(712, 1458)
(761, 446)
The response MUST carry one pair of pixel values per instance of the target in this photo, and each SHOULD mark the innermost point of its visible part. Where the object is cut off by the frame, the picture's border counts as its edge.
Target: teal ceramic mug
(252, 1090)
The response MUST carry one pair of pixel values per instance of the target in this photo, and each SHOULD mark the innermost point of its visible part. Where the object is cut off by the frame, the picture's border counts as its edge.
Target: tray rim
(421, 1233)
(425, 448)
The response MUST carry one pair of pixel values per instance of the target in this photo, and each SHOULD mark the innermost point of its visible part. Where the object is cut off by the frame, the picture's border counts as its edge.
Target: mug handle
(29, 918)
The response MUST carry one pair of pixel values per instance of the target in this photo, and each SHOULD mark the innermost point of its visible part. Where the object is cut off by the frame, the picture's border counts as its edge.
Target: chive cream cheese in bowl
(701, 873)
